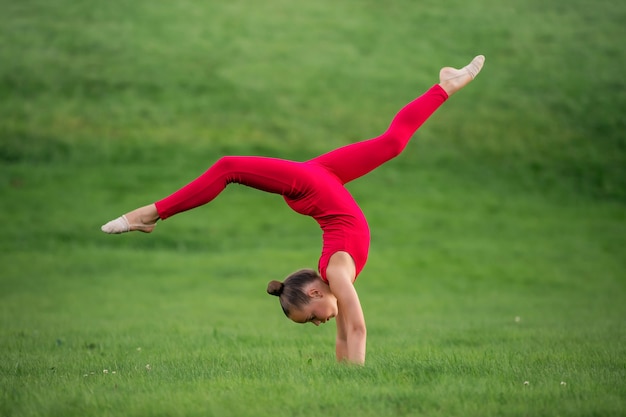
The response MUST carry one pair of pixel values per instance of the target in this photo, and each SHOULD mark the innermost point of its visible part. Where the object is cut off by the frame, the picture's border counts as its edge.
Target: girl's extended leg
(355, 160)
(267, 174)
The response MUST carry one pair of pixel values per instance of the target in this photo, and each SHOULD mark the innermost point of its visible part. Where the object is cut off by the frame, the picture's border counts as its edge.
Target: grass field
(497, 274)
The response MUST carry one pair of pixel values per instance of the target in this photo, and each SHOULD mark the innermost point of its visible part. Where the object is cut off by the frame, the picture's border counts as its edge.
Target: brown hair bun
(275, 288)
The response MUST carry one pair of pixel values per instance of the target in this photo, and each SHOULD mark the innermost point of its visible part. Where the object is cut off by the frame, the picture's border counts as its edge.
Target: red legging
(277, 175)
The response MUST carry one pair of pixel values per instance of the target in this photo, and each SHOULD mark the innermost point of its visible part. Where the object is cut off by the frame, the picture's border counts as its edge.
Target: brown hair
(291, 291)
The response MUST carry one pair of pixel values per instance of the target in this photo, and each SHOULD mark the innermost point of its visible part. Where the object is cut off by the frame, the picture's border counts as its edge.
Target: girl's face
(321, 308)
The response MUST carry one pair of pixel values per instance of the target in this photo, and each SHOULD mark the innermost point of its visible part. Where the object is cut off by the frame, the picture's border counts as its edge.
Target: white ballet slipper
(474, 67)
(119, 225)
(122, 225)
(452, 79)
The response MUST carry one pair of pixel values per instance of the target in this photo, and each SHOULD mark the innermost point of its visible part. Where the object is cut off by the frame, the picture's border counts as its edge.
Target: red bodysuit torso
(322, 196)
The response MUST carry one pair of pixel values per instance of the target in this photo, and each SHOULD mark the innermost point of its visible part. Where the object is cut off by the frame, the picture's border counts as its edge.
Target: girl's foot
(142, 219)
(452, 79)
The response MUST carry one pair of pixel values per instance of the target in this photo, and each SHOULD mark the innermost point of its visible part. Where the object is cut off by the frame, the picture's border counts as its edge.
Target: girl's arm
(341, 346)
(351, 331)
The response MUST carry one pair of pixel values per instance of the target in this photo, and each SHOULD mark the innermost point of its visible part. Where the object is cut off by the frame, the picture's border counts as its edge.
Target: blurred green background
(292, 78)
(498, 236)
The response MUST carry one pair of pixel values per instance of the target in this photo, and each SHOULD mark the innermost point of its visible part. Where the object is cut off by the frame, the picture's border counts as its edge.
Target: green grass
(498, 236)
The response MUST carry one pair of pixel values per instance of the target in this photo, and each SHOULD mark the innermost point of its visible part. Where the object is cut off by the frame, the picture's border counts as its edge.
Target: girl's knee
(395, 144)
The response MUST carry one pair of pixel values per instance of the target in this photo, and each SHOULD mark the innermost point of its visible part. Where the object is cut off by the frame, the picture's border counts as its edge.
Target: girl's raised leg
(357, 159)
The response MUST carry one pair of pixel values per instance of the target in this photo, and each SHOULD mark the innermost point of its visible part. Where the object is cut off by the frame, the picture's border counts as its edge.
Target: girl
(315, 188)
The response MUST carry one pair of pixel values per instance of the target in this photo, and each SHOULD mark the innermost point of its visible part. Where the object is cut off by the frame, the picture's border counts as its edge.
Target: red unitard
(316, 187)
